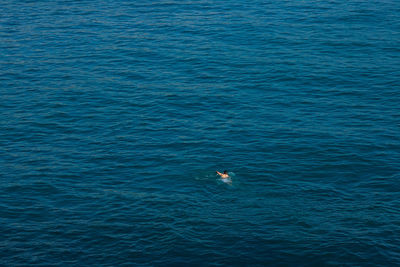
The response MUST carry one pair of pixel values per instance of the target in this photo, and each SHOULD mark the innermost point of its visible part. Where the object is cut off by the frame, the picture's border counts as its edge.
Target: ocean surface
(115, 116)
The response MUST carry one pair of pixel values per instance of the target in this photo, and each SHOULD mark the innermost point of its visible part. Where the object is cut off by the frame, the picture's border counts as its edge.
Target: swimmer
(223, 175)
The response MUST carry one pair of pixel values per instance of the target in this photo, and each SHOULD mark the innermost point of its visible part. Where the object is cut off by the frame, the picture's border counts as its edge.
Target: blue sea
(116, 115)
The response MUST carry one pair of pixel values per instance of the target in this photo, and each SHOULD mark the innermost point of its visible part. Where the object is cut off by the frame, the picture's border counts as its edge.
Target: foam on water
(226, 180)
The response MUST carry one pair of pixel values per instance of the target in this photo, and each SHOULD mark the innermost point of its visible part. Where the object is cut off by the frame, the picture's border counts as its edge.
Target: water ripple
(116, 116)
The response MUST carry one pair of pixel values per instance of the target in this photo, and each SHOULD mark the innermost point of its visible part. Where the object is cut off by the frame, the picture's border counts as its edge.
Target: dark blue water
(115, 116)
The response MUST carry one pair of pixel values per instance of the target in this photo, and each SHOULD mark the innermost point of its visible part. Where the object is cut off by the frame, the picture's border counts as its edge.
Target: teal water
(115, 116)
